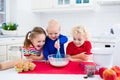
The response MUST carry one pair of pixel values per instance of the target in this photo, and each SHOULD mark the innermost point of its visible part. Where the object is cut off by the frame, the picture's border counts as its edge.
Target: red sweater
(72, 49)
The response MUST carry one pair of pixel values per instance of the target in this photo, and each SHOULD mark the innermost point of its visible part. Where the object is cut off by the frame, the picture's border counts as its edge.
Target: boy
(51, 45)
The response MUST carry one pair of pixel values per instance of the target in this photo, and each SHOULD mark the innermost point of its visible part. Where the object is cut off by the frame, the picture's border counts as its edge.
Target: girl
(33, 44)
(80, 48)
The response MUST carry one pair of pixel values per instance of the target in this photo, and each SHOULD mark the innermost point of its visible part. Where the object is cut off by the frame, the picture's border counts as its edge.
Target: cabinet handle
(108, 46)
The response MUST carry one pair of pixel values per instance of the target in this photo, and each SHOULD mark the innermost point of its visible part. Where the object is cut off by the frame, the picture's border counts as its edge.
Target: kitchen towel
(71, 68)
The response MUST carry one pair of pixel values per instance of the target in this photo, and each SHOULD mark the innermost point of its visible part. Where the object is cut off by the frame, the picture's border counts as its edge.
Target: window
(78, 1)
(85, 1)
(2, 12)
(82, 1)
(63, 2)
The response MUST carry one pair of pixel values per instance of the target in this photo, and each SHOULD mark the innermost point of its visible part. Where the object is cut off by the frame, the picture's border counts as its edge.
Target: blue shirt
(49, 46)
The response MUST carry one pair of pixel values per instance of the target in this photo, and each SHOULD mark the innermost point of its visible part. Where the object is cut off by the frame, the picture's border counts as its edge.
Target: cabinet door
(3, 53)
(41, 4)
(14, 51)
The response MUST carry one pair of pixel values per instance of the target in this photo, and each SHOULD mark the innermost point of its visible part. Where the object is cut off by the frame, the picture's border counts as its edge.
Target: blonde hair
(53, 23)
(80, 29)
(32, 34)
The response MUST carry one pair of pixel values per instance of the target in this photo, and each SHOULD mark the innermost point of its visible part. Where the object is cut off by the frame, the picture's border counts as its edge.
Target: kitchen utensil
(58, 55)
(90, 70)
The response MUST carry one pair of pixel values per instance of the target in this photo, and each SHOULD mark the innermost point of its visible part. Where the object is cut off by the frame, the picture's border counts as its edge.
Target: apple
(117, 70)
(118, 78)
(109, 74)
(101, 70)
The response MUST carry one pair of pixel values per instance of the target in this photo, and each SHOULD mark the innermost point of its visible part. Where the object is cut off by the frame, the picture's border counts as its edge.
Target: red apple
(109, 74)
(117, 70)
(101, 70)
(118, 78)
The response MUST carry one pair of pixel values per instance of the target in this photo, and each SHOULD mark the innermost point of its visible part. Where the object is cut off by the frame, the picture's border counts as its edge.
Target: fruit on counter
(117, 70)
(32, 66)
(101, 70)
(19, 67)
(25, 66)
(109, 74)
(118, 78)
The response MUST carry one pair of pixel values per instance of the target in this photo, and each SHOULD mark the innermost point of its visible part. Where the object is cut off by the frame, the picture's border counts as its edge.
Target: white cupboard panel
(41, 4)
(3, 53)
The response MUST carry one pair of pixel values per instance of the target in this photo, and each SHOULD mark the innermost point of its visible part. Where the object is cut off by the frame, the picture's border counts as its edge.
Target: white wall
(21, 12)
(97, 22)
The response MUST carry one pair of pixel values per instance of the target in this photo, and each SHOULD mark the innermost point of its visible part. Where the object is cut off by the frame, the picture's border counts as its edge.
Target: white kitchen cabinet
(41, 4)
(14, 51)
(10, 52)
(103, 44)
(72, 3)
(10, 48)
(62, 5)
(3, 53)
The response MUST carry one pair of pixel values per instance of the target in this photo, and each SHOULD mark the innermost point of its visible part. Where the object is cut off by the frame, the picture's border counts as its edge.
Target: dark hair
(32, 34)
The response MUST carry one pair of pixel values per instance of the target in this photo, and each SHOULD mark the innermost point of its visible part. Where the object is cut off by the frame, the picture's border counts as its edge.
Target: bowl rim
(52, 55)
(58, 59)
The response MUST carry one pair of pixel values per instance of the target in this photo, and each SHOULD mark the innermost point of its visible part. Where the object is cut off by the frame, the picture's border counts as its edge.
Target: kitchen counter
(11, 74)
(4, 40)
(103, 39)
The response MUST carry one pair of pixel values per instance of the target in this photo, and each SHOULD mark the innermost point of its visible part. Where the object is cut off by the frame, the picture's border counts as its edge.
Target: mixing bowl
(58, 62)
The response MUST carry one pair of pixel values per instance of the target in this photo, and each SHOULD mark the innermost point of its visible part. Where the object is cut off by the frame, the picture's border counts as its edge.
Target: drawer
(103, 45)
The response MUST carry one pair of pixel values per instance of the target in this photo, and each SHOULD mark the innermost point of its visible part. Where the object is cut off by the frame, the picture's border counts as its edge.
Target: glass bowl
(58, 62)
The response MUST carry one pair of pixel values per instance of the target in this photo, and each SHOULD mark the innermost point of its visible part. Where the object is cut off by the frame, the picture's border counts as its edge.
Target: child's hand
(57, 44)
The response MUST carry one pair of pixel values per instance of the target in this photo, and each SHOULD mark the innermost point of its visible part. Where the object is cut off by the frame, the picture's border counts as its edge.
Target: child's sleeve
(25, 52)
(63, 39)
(88, 47)
(45, 52)
(69, 49)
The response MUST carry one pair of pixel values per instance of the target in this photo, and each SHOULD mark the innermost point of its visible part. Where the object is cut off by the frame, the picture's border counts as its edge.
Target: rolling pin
(9, 64)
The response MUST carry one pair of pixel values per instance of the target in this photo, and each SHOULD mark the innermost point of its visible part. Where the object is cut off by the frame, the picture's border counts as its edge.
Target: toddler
(54, 40)
(33, 44)
(80, 48)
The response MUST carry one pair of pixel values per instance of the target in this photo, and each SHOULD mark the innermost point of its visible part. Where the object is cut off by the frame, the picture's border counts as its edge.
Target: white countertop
(20, 39)
(11, 74)
(11, 40)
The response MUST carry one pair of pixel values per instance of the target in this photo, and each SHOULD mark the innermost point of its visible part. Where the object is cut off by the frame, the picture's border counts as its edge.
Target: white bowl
(58, 62)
